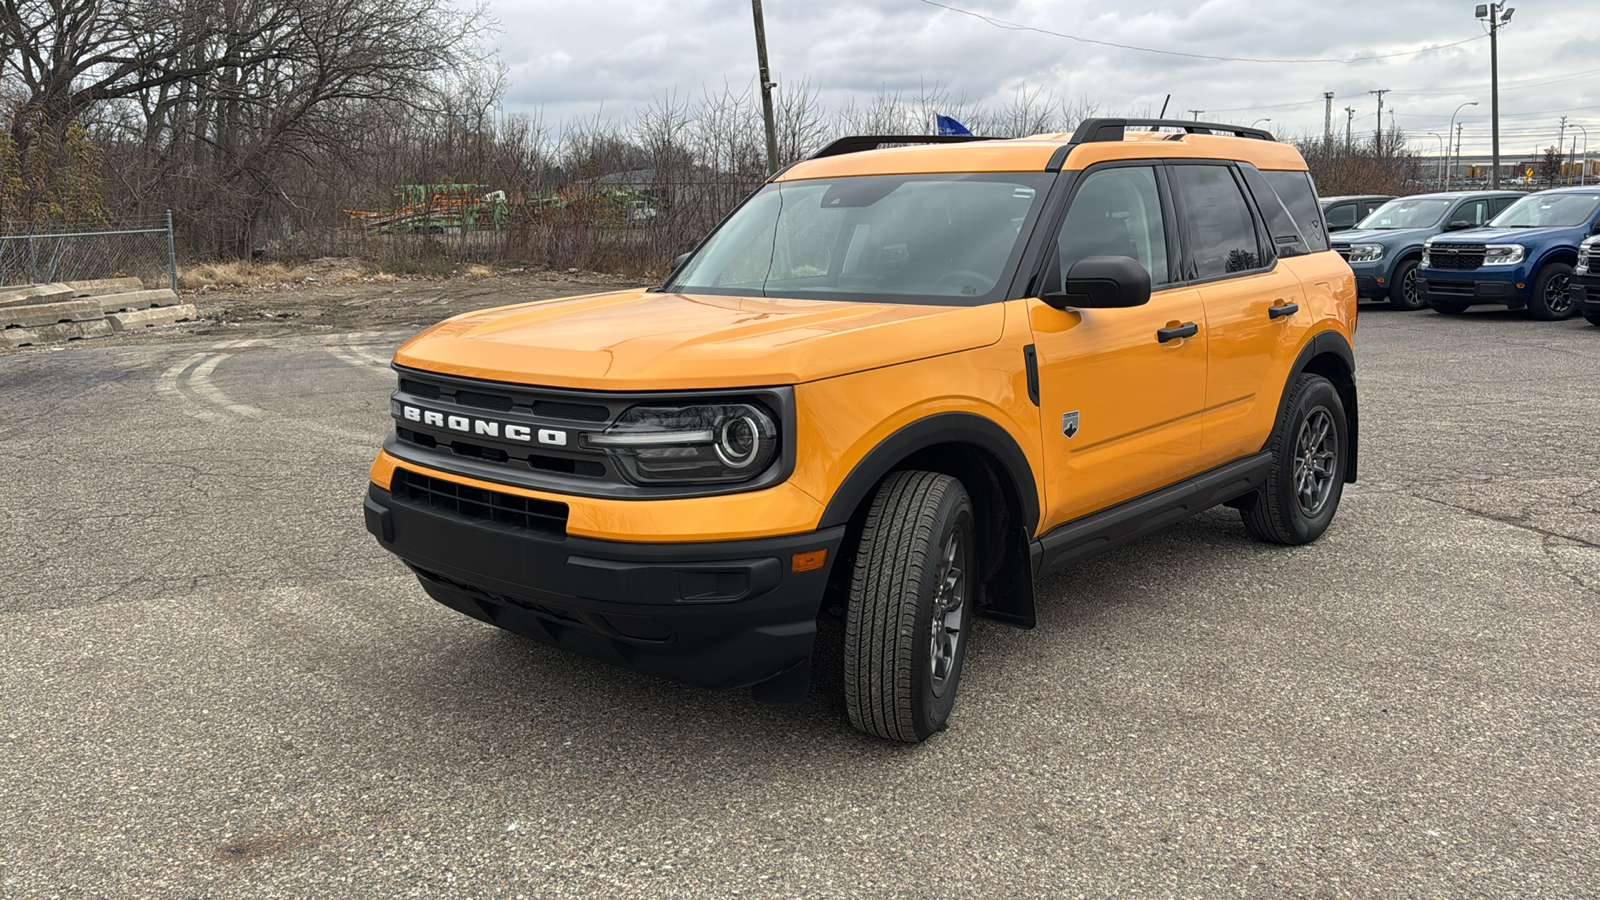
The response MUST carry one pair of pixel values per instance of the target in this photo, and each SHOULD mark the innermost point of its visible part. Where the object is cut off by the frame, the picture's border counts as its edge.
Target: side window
(1221, 230)
(1497, 205)
(1368, 207)
(1474, 211)
(1342, 216)
(1116, 212)
(1297, 193)
(1285, 235)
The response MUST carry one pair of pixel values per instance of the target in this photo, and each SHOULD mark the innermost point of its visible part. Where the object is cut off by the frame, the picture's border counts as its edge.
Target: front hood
(637, 340)
(1503, 235)
(1385, 236)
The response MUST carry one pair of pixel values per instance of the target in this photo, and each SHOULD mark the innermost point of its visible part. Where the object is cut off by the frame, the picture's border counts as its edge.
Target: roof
(1343, 197)
(1036, 153)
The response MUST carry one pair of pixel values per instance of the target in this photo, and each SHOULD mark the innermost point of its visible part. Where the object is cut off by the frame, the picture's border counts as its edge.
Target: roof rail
(1094, 130)
(860, 142)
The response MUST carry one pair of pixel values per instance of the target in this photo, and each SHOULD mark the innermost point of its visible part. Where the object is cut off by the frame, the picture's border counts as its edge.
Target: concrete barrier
(54, 334)
(35, 293)
(102, 286)
(147, 318)
(132, 300)
(50, 313)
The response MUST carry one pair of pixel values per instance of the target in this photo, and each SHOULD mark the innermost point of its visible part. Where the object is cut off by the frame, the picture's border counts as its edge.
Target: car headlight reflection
(1503, 254)
(1362, 253)
(698, 444)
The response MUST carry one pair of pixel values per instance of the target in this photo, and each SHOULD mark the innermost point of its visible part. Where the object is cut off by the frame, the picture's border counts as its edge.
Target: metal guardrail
(144, 250)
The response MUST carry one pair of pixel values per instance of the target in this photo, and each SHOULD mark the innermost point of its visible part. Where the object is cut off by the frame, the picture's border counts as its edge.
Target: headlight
(1584, 255)
(701, 444)
(1503, 254)
(1427, 259)
(1360, 253)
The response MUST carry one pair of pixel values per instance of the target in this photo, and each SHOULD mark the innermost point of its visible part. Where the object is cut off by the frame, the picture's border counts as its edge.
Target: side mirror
(1103, 282)
(1457, 225)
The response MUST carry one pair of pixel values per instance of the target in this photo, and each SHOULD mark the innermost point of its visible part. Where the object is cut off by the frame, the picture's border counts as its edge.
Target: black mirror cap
(1458, 225)
(1103, 282)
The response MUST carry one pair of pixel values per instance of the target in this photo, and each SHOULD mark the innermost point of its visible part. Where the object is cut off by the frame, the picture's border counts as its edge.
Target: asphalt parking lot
(214, 684)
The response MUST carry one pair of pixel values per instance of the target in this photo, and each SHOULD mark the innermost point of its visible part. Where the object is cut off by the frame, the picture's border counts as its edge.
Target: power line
(1015, 26)
(1518, 85)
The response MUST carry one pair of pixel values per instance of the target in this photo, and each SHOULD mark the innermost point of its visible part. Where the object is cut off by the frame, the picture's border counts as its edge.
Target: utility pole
(1349, 121)
(1327, 120)
(1457, 166)
(1378, 146)
(1497, 14)
(766, 88)
(1561, 141)
(1194, 114)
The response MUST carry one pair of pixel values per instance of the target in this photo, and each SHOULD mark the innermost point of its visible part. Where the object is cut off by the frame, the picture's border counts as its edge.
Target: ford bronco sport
(901, 383)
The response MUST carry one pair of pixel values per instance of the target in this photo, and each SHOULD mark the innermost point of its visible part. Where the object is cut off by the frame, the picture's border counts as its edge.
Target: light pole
(1451, 173)
(1497, 15)
(1258, 122)
(1442, 154)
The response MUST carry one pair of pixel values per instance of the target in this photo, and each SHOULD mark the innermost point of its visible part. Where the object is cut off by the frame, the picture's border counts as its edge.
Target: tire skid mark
(200, 382)
(167, 386)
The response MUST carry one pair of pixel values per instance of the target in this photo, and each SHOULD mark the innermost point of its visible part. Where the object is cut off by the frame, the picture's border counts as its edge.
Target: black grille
(542, 516)
(484, 401)
(1460, 257)
(1437, 288)
(419, 388)
(578, 412)
(1343, 250)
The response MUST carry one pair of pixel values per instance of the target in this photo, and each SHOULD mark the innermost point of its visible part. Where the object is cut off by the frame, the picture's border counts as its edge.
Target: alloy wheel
(1316, 457)
(949, 611)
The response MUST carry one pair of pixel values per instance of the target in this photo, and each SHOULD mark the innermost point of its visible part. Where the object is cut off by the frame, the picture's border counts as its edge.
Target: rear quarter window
(1300, 197)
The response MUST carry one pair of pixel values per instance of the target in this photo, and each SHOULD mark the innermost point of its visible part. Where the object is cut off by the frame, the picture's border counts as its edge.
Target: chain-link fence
(141, 249)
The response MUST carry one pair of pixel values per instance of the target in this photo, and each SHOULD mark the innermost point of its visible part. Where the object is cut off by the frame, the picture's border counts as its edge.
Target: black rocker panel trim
(944, 428)
(1087, 536)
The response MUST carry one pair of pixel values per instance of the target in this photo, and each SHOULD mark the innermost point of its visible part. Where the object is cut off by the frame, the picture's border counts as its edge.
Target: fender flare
(1329, 343)
(940, 428)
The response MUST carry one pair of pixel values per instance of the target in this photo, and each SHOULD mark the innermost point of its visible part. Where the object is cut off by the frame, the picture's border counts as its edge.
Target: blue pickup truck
(1522, 259)
(1385, 249)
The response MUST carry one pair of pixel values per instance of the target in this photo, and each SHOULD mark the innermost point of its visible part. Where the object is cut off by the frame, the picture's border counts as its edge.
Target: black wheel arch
(1328, 354)
(999, 480)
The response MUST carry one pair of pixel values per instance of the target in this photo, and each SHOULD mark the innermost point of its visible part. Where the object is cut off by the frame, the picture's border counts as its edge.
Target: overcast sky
(574, 58)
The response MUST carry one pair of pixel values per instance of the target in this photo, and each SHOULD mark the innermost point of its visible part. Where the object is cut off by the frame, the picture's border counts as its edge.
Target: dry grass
(251, 274)
(476, 271)
(236, 274)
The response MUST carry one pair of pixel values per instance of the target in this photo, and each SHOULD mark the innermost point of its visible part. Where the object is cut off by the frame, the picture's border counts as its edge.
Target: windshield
(938, 239)
(1548, 211)
(1406, 212)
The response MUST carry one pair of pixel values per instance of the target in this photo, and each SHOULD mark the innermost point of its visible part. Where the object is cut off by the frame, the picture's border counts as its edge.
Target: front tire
(911, 603)
(1552, 297)
(1403, 293)
(1309, 448)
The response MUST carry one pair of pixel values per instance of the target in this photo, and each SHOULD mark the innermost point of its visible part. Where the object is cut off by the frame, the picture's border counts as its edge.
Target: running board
(1073, 542)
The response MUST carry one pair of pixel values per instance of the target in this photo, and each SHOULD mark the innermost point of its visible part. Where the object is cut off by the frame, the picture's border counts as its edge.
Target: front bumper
(1474, 286)
(1586, 293)
(716, 615)
(1372, 279)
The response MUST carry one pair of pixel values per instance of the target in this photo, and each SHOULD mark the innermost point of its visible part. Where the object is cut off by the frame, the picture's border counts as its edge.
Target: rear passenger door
(1251, 307)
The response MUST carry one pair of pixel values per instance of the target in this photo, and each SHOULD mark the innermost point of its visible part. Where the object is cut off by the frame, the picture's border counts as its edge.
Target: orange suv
(902, 383)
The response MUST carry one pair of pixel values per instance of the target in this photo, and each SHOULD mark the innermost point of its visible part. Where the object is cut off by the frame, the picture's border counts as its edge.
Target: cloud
(566, 60)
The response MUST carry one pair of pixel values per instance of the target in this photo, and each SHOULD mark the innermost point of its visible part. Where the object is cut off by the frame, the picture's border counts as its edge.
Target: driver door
(1121, 391)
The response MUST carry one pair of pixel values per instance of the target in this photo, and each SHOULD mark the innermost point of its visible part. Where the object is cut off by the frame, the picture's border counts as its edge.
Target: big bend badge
(1069, 423)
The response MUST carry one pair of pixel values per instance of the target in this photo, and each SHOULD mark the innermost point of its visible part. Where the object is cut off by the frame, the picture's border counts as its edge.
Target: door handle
(1187, 329)
(1278, 312)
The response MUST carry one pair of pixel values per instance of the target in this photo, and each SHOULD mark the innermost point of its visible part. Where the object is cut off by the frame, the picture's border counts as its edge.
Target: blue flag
(948, 125)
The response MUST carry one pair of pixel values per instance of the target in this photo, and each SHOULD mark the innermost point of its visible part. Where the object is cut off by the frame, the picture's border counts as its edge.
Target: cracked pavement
(216, 685)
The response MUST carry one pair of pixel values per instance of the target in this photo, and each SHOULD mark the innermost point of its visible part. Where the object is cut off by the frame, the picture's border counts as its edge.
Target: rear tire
(1403, 293)
(1552, 298)
(1309, 450)
(911, 604)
